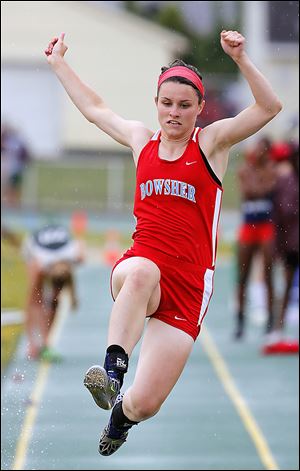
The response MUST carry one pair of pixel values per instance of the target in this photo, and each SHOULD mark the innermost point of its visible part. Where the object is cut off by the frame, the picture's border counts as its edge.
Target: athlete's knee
(145, 275)
(141, 406)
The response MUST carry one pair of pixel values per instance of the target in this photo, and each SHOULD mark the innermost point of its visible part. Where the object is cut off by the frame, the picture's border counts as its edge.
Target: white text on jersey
(161, 186)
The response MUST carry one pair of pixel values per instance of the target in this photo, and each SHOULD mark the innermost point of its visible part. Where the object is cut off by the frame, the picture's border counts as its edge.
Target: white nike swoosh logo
(190, 163)
(179, 318)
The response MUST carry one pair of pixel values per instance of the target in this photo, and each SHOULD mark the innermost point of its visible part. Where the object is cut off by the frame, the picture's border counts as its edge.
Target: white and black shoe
(102, 387)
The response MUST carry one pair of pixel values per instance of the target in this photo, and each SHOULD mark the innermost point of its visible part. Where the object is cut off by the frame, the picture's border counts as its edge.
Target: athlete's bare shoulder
(216, 153)
(209, 136)
(141, 135)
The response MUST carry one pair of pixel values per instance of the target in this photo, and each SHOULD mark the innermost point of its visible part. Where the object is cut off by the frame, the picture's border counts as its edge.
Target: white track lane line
(232, 391)
(38, 389)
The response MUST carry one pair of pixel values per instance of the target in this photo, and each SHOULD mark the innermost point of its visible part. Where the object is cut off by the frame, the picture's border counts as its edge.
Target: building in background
(116, 53)
(120, 54)
(201, 17)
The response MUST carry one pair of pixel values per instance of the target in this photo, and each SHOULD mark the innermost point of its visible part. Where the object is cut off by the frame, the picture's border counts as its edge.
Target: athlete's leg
(275, 342)
(164, 352)
(268, 257)
(245, 256)
(49, 310)
(33, 308)
(289, 273)
(47, 317)
(136, 289)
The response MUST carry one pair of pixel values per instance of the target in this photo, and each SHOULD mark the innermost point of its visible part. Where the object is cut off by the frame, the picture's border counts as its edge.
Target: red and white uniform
(177, 208)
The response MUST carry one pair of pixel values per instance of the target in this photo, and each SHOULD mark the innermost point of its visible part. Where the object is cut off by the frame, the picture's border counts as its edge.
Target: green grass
(71, 186)
(231, 196)
(85, 184)
(10, 335)
(13, 295)
(13, 277)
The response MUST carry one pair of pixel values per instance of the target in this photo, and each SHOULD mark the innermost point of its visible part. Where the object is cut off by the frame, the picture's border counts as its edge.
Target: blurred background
(57, 167)
(118, 48)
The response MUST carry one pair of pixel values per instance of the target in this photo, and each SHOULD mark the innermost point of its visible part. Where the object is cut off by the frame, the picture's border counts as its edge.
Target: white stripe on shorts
(215, 224)
(207, 293)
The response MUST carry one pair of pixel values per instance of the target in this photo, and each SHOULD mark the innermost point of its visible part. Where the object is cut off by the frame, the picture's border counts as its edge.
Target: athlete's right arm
(91, 105)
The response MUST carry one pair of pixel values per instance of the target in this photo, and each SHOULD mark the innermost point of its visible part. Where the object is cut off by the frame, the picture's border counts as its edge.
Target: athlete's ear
(201, 106)
(156, 100)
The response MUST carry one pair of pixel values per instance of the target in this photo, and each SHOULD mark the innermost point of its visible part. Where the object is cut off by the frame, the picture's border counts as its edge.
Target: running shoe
(102, 387)
(112, 438)
(49, 355)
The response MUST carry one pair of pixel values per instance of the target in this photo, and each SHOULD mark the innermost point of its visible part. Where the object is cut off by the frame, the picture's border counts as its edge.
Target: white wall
(117, 54)
(31, 100)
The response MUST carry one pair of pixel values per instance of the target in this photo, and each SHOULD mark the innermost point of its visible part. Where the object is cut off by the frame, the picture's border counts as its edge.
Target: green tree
(204, 51)
(206, 54)
(171, 17)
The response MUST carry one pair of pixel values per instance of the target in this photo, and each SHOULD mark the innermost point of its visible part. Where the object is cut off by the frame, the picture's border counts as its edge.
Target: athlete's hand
(233, 43)
(56, 48)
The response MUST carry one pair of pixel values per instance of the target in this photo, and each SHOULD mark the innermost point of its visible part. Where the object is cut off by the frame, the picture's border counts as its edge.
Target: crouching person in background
(51, 255)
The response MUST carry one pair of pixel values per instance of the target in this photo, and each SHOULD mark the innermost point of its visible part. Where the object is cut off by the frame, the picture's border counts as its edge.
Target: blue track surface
(50, 421)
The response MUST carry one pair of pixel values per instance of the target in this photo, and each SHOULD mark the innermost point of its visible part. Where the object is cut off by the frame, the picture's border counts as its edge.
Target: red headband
(185, 72)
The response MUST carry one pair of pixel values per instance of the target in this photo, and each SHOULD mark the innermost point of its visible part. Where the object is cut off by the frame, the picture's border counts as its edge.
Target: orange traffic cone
(79, 223)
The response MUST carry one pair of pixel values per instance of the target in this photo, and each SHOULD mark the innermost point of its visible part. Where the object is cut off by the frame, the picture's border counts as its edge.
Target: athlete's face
(178, 108)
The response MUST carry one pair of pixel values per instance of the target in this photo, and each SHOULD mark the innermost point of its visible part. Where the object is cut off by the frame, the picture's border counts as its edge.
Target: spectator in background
(15, 158)
(51, 255)
(286, 218)
(257, 178)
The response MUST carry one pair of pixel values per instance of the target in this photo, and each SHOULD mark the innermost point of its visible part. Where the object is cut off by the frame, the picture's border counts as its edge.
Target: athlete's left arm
(266, 106)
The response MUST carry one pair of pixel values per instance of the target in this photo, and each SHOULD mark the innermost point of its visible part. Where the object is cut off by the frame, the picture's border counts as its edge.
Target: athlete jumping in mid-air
(167, 274)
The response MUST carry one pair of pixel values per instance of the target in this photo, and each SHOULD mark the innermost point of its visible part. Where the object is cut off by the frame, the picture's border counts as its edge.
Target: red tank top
(177, 203)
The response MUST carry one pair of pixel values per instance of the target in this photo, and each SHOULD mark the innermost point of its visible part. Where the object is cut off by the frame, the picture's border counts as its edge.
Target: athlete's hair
(180, 62)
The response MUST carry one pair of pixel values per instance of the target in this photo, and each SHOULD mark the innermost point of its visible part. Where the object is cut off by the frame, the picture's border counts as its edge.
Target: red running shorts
(186, 289)
(256, 233)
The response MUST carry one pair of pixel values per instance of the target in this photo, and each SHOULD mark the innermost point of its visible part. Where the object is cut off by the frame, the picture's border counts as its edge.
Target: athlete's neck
(168, 141)
(172, 148)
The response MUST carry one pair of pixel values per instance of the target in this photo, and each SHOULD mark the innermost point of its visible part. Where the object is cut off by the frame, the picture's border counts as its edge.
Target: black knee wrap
(116, 362)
